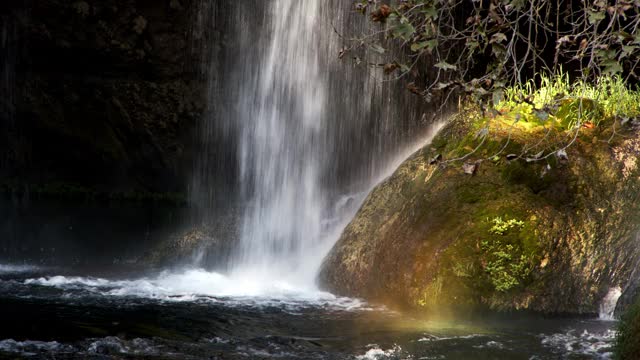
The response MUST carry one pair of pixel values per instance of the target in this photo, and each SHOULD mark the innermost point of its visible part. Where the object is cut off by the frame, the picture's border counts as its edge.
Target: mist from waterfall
(608, 304)
(303, 135)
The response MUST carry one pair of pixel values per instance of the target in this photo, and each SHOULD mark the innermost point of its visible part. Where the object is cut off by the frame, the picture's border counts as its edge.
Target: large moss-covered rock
(535, 230)
(628, 336)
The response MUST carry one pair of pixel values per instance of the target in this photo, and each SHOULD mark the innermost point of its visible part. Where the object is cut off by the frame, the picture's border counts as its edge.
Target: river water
(55, 313)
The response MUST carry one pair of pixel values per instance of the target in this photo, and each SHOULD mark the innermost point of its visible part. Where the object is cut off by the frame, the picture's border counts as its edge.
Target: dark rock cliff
(99, 95)
(100, 103)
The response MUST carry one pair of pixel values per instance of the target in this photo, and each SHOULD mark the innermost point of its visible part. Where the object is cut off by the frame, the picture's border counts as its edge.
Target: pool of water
(54, 313)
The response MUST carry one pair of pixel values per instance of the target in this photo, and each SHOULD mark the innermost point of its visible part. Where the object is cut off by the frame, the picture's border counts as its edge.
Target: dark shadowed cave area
(105, 94)
(98, 115)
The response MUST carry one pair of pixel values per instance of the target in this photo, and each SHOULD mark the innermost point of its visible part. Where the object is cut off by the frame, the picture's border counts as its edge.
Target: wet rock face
(551, 237)
(107, 93)
(206, 244)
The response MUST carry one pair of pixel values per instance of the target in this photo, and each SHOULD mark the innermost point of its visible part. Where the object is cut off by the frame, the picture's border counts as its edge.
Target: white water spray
(306, 134)
(608, 304)
(281, 149)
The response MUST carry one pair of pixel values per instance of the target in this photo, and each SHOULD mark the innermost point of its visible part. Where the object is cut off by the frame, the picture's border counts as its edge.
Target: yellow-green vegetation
(556, 101)
(507, 261)
(514, 39)
(509, 209)
(539, 122)
(527, 177)
(628, 338)
(501, 227)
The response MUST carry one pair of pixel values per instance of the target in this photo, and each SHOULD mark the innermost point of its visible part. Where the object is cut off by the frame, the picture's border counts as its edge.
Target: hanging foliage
(482, 46)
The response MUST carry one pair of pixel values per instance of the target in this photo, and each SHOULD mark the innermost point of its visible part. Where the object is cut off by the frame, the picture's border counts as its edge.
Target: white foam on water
(108, 345)
(30, 348)
(376, 353)
(16, 269)
(608, 304)
(491, 345)
(217, 340)
(596, 345)
(112, 345)
(260, 353)
(198, 284)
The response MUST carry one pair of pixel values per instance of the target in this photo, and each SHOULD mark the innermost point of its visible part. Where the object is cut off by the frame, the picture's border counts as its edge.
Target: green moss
(628, 338)
(504, 255)
(530, 175)
(439, 142)
(503, 237)
(469, 195)
(486, 258)
(494, 250)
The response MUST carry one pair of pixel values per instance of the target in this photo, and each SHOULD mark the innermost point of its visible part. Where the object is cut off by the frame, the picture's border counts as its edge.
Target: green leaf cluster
(500, 227)
(480, 47)
(505, 261)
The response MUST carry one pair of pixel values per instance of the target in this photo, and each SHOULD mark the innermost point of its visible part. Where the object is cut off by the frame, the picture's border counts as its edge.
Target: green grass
(556, 99)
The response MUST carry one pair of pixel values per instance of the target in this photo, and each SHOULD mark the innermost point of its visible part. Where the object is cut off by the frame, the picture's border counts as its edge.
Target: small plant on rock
(505, 262)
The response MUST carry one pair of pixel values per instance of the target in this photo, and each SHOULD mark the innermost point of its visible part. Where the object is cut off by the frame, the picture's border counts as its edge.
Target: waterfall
(608, 304)
(282, 110)
(299, 136)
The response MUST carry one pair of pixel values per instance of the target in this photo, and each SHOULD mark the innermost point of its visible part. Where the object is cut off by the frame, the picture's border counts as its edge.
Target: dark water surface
(51, 313)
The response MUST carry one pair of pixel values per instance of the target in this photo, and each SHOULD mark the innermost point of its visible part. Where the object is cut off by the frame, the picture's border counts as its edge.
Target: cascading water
(305, 135)
(282, 147)
(608, 304)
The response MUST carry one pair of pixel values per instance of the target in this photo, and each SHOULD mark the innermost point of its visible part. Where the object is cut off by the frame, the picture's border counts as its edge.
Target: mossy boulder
(497, 214)
(628, 336)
